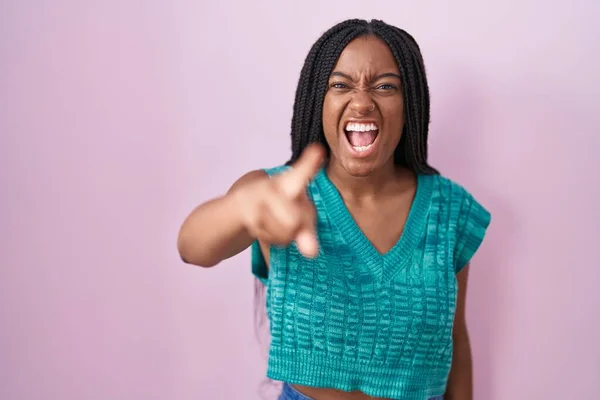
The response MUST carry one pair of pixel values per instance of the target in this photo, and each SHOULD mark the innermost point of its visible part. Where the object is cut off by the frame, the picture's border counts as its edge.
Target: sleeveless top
(353, 318)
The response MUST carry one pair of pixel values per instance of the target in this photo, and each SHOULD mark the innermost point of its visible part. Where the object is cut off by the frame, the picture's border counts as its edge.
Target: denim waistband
(289, 393)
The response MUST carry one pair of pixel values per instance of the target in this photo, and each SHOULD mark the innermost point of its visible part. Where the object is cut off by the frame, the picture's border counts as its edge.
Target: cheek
(331, 117)
(394, 116)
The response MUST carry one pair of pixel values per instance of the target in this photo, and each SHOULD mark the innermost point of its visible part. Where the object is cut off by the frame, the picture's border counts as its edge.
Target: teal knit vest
(355, 319)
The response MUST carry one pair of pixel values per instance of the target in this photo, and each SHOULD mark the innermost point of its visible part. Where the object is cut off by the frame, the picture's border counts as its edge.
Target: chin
(358, 168)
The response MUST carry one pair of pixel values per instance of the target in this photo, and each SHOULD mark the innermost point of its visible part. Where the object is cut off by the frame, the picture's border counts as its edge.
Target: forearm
(460, 381)
(213, 232)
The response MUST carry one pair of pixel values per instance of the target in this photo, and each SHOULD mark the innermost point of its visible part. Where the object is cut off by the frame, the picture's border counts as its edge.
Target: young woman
(362, 246)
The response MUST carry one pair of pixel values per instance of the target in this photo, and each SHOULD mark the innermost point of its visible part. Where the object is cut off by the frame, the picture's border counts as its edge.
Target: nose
(362, 103)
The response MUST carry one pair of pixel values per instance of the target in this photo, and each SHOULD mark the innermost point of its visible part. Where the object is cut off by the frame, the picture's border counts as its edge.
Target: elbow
(191, 256)
(198, 263)
(196, 260)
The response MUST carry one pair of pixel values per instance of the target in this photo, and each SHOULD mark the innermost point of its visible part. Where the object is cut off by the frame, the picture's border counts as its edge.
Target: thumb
(295, 180)
(307, 243)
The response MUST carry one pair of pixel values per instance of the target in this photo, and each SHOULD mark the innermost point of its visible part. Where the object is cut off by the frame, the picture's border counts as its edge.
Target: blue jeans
(289, 393)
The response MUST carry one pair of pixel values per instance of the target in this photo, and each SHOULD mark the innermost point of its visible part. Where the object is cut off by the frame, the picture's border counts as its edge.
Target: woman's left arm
(460, 381)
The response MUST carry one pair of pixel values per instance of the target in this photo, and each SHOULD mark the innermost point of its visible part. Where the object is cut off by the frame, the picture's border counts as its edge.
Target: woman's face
(363, 110)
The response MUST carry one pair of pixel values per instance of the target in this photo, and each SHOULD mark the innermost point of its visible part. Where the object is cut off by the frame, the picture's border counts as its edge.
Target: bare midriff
(333, 394)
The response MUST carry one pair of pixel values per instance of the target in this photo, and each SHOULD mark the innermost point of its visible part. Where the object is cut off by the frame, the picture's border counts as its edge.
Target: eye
(386, 86)
(338, 85)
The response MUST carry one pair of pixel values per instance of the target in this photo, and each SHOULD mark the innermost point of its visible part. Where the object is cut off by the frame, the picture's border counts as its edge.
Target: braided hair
(307, 123)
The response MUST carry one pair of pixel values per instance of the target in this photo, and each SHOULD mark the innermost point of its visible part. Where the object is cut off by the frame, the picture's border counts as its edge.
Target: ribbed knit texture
(355, 319)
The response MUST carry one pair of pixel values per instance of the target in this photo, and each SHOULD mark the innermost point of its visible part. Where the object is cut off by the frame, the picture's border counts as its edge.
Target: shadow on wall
(458, 122)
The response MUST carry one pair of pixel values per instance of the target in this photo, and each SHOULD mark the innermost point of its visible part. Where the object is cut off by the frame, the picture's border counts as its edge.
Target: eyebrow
(378, 77)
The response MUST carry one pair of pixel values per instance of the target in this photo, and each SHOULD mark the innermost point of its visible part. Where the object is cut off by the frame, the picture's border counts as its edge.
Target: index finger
(294, 181)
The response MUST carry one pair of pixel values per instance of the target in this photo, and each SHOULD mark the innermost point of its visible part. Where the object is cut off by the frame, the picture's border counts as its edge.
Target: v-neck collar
(384, 265)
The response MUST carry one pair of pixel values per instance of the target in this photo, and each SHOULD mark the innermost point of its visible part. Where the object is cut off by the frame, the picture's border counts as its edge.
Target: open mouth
(361, 135)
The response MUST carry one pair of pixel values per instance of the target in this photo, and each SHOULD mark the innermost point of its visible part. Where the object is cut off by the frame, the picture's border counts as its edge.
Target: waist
(377, 380)
(297, 392)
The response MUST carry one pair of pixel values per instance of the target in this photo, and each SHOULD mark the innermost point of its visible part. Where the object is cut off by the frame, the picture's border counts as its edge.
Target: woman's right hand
(278, 211)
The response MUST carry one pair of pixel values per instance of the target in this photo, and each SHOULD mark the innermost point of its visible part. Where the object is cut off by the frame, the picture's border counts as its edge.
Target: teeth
(358, 127)
(362, 148)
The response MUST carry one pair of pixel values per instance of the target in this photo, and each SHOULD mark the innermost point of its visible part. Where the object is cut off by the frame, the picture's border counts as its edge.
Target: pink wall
(114, 119)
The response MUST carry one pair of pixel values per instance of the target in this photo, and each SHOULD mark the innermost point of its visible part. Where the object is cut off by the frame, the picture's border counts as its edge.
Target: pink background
(118, 117)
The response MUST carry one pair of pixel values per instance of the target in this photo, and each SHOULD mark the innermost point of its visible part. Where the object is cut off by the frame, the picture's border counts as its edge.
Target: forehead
(367, 55)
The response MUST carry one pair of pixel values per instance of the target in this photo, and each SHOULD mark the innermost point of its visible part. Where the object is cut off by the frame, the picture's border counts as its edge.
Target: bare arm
(460, 381)
(275, 211)
(214, 231)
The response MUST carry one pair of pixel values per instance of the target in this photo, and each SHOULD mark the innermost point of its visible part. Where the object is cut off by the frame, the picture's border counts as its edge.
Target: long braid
(307, 124)
(423, 92)
(421, 106)
(312, 85)
(324, 64)
(300, 118)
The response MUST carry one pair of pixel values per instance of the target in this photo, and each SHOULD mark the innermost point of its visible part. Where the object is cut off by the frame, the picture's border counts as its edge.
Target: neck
(368, 185)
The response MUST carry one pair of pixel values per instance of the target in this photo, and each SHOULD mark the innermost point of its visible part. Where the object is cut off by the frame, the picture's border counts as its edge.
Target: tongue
(360, 139)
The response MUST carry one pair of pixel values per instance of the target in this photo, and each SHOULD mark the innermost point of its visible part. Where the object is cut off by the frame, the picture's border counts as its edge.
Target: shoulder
(448, 190)
(272, 171)
(457, 200)
(460, 200)
(256, 175)
(468, 219)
